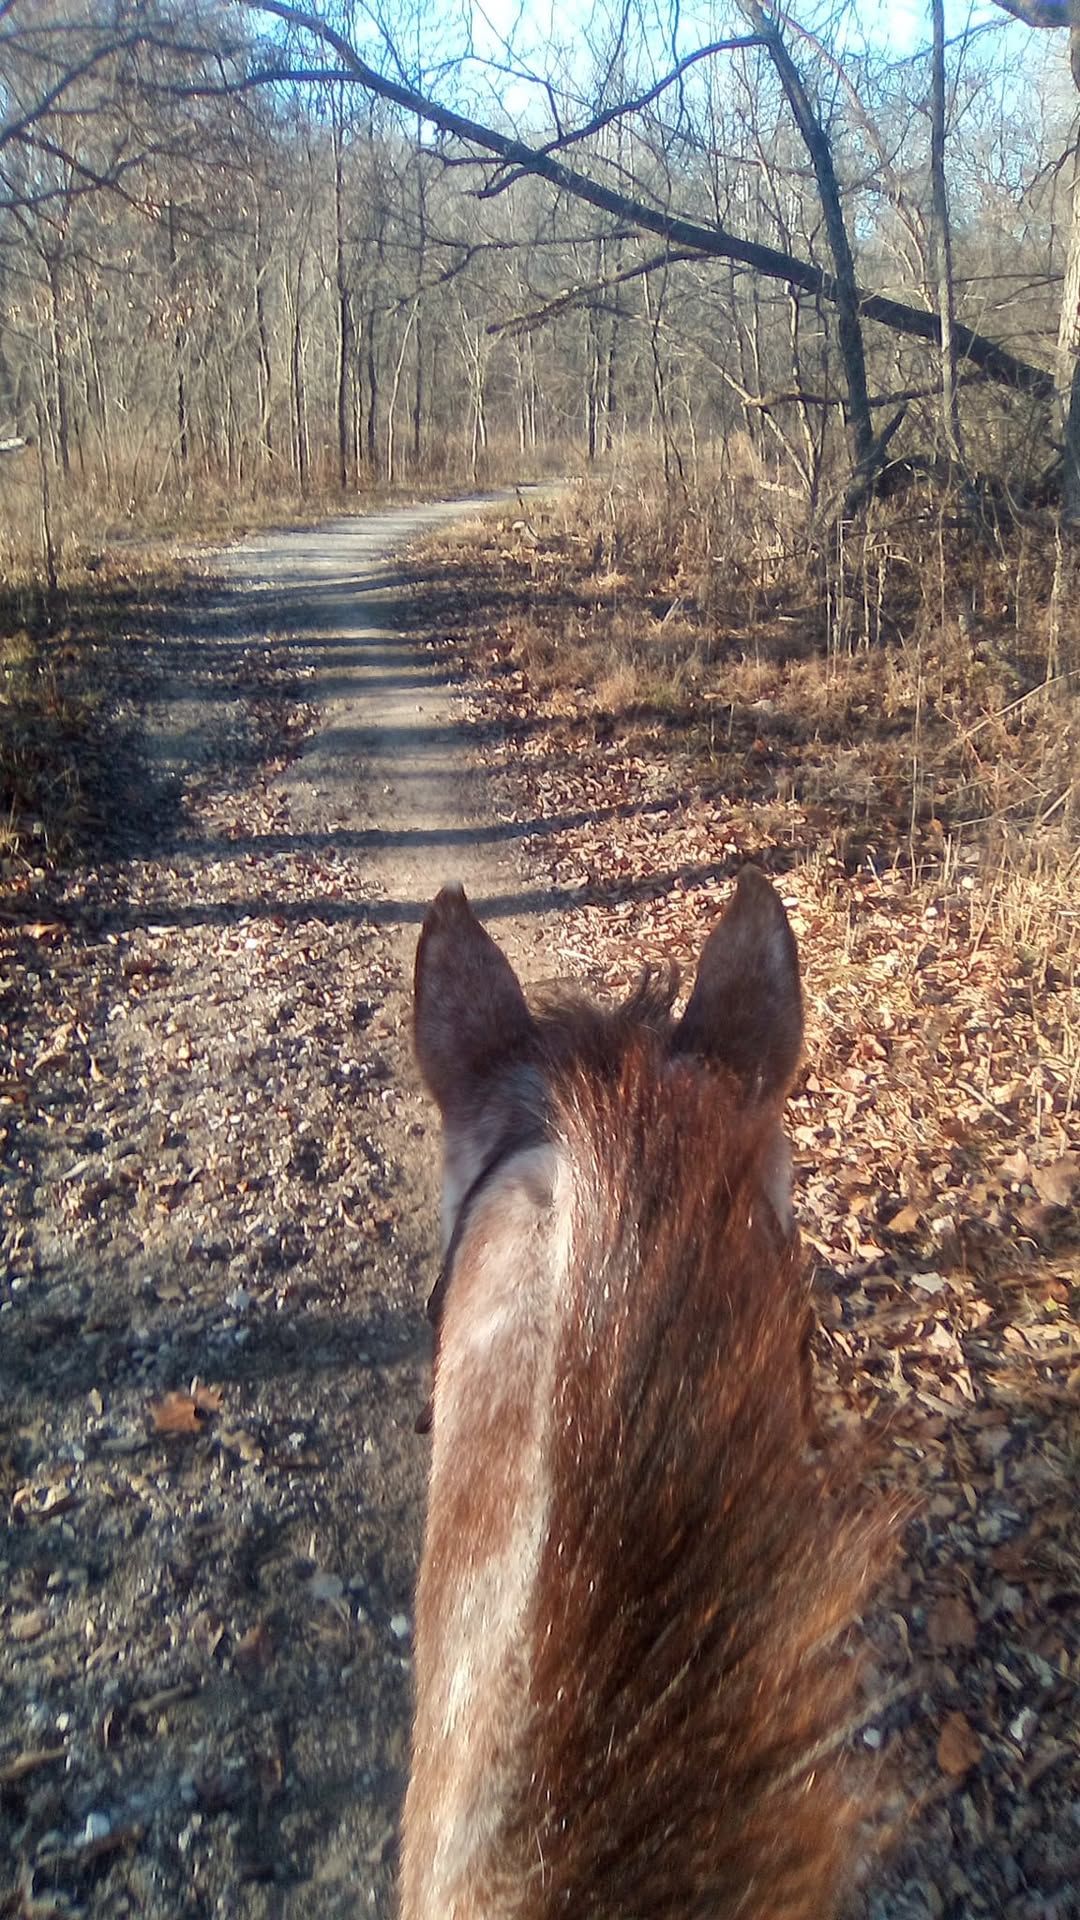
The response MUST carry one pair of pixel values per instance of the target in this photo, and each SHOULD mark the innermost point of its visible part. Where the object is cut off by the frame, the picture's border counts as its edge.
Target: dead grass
(51, 520)
(917, 690)
(63, 656)
(88, 520)
(41, 727)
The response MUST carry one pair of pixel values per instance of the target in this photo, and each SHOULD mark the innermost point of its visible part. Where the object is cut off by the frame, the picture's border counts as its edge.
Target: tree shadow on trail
(488, 833)
(403, 912)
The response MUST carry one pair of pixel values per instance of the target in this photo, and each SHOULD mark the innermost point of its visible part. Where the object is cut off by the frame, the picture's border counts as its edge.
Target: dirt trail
(388, 766)
(218, 1241)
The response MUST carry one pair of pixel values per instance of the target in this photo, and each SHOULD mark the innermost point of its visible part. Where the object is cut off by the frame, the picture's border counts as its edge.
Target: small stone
(29, 1626)
(98, 1827)
(399, 1626)
(1024, 1725)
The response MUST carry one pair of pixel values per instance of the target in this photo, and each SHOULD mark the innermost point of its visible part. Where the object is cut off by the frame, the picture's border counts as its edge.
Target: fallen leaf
(951, 1623)
(42, 929)
(1056, 1184)
(254, 1650)
(40, 1500)
(1040, 1221)
(29, 1626)
(959, 1747)
(1016, 1167)
(178, 1413)
(991, 1443)
(928, 1282)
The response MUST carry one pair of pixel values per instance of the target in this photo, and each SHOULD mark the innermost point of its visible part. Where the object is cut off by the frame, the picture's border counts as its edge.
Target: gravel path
(220, 1206)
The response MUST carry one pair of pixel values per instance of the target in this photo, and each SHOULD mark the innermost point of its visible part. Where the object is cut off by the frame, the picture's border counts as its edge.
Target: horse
(641, 1569)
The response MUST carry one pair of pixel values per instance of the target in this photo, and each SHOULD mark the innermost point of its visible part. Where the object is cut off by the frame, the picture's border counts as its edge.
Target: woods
(779, 309)
(251, 252)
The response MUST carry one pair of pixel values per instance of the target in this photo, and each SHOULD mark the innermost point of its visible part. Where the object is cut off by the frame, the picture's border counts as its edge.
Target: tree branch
(584, 294)
(1037, 13)
(816, 142)
(793, 397)
(625, 107)
(684, 235)
(15, 129)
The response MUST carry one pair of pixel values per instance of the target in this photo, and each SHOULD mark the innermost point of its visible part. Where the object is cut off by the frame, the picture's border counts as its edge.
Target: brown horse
(631, 1676)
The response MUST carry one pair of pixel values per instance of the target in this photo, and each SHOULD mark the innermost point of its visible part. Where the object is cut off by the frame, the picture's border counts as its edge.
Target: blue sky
(554, 37)
(906, 23)
(903, 25)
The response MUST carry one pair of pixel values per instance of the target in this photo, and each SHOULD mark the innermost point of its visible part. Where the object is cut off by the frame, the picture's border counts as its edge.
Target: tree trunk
(391, 411)
(299, 398)
(592, 388)
(942, 241)
(476, 362)
(48, 541)
(182, 444)
(1068, 357)
(101, 403)
(346, 327)
(421, 263)
(60, 370)
(371, 357)
(266, 370)
(849, 328)
(611, 385)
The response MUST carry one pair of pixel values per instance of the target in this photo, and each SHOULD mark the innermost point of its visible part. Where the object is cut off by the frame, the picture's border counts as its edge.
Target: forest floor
(219, 1228)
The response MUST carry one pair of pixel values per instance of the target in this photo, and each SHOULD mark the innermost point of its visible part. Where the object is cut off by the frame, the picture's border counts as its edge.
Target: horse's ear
(469, 1013)
(746, 1007)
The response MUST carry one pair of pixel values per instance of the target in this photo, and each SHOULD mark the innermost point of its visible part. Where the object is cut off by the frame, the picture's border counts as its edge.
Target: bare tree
(518, 156)
(198, 288)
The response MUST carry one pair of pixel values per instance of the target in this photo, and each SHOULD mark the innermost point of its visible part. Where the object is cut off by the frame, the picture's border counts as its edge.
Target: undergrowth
(68, 656)
(913, 686)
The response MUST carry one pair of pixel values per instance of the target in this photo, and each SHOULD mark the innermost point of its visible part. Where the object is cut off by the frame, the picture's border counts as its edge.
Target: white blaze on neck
(499, 1333)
